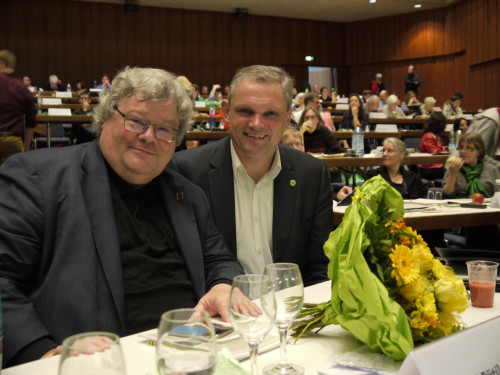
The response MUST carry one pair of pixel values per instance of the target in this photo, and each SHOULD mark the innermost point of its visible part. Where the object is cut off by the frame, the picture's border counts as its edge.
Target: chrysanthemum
(423, 257)
(415, 289)
(405, 270)
(451, 295)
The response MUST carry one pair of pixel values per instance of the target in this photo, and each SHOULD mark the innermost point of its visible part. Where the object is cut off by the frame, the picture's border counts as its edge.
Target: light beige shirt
(254, 214)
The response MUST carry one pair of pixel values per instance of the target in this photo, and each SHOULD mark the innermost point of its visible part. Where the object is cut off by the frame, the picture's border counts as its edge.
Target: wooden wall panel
(81, 40)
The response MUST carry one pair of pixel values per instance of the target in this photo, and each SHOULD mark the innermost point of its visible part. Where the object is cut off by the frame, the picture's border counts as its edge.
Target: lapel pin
(293, 182)
(179, 196)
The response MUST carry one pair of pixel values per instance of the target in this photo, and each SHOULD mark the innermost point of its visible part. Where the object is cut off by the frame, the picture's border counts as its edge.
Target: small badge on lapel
(293, 182)
(179, 196)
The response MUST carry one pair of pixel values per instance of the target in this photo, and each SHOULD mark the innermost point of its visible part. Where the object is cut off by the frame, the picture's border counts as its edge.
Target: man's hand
(52, 352)
(216, 301)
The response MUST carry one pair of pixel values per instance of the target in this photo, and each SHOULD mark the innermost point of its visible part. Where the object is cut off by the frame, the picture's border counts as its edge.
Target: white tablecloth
(313, 351)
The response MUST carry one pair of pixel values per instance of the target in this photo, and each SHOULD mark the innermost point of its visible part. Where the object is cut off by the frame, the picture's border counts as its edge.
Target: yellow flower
(451, 295)
(427, 306)
(398, 225)
(438, 269)
(415, 289)
(423, 257)
(405, 270)
(417, 237)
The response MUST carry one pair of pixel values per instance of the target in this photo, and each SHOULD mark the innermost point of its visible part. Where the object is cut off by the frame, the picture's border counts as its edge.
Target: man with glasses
(100, 236)
(84, 132)
(271, 203)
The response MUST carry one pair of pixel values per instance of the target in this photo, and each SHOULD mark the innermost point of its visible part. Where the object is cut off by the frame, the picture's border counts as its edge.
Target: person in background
(356, 116)
(29, 86)
(461, 124)
(411, 99)
(372, 104)
(377, 85)
(487, 124)
(315, 89)
(412, 80)
(105, 83)
(298, 103)
(204, 90)
(312, 99)
(293, 139)
(317, 138)
(432, 143)
(196, 93)
(468, 174)
(225, 92)
(53, 84)
(252, 181)
(17, 109)
(81, 87)
(294, 92)
(325, 95)
(84, 132)
(391, 109)
(186, 85)
(408, 183)
(366, 95)
(452, 108)
(109, 238)
(426, 110)
(383, 98)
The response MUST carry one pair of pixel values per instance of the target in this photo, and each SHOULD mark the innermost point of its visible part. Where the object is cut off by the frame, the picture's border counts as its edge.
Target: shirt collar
(239, 167)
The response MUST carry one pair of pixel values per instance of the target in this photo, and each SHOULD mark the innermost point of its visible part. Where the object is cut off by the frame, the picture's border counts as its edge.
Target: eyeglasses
(307, 118)
(136, 125)
(468, 149)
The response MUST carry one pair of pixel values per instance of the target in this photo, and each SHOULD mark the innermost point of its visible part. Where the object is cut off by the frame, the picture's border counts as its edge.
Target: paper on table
(341, 370)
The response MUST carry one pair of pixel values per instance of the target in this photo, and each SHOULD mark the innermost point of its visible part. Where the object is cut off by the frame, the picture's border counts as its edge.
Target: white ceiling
(321, 10)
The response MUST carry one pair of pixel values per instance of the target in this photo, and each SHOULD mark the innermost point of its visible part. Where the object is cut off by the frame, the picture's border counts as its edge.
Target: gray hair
(392, 99)
(378, 75)
(430, 100)
(264, 74)
(373, 99)
(53, 78)
(399, 145)
(146, 84)
(298, 97)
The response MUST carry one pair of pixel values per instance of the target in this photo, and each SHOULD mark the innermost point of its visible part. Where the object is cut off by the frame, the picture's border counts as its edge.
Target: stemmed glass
(186, 343)
(92, 353)
(252, 310)
(289, 291)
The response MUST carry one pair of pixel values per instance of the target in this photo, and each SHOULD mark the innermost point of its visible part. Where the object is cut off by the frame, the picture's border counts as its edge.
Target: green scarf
(472, 176)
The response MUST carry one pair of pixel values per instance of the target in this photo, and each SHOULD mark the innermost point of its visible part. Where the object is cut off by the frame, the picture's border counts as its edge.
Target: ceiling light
(373, 1)
(309, 58)
(418, 5)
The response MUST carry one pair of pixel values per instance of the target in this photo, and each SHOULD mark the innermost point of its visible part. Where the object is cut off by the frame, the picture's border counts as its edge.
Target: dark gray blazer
(302, 211)
(60, 261)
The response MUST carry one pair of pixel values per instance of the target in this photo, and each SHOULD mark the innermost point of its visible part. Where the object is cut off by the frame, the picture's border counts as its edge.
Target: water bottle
(451, 143)
(358, 141)
(457, 137)
(68, 88)
(211, 115)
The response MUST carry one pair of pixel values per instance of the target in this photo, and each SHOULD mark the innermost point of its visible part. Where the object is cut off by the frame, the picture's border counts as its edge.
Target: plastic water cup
(482, 282)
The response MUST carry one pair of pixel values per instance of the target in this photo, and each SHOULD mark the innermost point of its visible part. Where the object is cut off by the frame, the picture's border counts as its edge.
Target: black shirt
(155, 277)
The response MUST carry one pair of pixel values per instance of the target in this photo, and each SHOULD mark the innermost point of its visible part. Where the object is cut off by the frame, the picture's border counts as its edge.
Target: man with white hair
(53, 84)
(426, 110)
(377, 85)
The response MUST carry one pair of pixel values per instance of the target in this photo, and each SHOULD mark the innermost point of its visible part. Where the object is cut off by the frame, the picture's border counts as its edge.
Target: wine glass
(186, 343)
(252, 310)
(92, 353)
(289, 291)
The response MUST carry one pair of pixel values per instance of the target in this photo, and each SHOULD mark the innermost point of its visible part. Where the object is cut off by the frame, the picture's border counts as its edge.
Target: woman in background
(325, 95)
(452, 109)
(391, 109)
(356, 116)
(432, 143)
(408, 183)
(317, 138)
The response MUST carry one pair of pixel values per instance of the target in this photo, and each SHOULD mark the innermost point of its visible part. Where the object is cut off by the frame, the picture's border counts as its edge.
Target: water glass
(289, 292)
(186, 343)
(252, 310)
(92, 353)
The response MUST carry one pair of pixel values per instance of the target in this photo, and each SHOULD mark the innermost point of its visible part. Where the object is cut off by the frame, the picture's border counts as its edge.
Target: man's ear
(224, 105)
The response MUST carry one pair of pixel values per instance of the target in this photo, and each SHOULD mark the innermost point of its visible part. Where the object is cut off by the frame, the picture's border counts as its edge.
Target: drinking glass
(92, 353)
(289, 292)
(252, 310)
(186, 343)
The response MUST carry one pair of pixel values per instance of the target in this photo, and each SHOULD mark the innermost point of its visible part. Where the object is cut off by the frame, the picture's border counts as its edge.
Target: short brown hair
(8, 58)
(476, 140)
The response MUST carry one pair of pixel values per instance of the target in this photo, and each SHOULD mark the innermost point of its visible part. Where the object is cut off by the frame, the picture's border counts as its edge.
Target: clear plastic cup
(482, 282)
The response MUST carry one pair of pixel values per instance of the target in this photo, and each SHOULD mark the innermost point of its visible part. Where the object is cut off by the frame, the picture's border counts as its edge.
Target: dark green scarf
(472, 176)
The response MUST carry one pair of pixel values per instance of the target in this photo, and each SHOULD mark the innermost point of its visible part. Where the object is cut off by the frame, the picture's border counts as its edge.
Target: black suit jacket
(60, 259)
(302, 209)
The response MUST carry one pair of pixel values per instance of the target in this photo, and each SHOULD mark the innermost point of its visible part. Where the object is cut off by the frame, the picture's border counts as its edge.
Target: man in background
(271, 203)
(377, 85)
(27, 83)
(17, 109)
(53, 84)
(412, 80)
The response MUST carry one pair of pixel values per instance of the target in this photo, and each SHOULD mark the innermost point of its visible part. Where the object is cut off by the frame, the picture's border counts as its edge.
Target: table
(75, 119)
(440, 217)
(332, 161)
(312, 351)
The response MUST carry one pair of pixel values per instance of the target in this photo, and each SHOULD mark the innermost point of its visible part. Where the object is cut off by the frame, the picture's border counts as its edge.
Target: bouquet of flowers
(388, 290)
